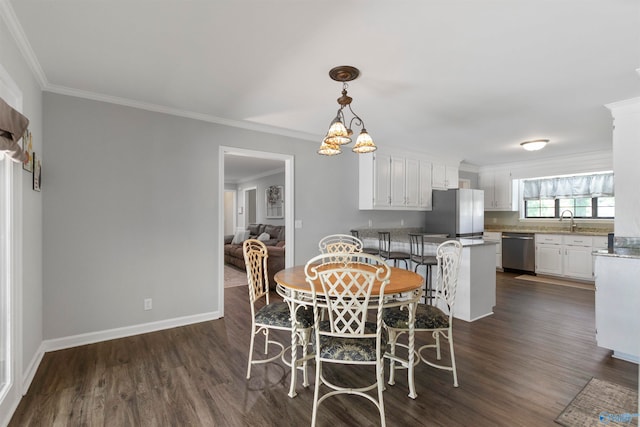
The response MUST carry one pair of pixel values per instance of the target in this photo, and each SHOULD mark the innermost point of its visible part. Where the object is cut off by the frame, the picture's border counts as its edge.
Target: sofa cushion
(274, 231)
(253, 229)
(240, 237)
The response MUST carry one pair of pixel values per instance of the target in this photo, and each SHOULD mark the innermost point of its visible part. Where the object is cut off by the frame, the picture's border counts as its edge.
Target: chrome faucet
(572, 226)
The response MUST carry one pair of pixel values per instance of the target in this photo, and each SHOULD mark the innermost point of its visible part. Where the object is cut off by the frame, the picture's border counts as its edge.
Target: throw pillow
(240, 237)
(264, 237)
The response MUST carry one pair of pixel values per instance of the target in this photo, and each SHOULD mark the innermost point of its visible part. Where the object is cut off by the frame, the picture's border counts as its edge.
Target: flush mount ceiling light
(338, 133)
(534, 145)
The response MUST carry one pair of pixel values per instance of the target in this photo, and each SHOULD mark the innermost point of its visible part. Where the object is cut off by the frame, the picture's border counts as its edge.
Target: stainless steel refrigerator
(458, 213)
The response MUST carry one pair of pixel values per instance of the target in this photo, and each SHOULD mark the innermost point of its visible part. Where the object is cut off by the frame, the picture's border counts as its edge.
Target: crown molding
(596, 161)
(63, 90)
(13, 24)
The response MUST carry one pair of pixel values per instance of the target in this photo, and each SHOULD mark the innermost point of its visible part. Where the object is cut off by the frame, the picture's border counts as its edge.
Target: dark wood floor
(519, 367)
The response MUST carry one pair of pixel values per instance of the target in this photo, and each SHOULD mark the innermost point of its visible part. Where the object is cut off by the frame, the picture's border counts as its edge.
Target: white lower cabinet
(548, 259)
(565, 255)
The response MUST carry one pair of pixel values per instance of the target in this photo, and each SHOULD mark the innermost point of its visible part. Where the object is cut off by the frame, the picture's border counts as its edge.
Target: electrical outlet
(148, 304)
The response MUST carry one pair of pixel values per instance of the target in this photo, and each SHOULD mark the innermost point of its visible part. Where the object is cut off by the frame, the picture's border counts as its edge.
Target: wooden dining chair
(436, 319)
(384, 242)
(347, 338)
(266, 315)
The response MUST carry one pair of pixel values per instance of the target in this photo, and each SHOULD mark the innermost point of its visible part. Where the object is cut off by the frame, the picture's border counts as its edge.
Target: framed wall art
(37, 173)
(27, 147)
(275, 201)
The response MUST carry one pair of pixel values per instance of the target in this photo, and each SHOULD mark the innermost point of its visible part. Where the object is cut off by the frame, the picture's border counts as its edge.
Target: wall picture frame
(275, 201)
(37, 173)
(27, 147)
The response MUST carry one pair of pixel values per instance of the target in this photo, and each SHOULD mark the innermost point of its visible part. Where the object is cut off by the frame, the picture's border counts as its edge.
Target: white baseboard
(110, 334)
(30, 372)
(127, 331)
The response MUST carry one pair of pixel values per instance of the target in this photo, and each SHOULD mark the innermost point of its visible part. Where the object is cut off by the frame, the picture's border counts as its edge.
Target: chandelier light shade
(534, 145)
(339, 134)
(329, 149)
(364, 143)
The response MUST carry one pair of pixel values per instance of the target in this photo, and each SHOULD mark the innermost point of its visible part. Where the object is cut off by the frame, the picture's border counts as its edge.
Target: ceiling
(461, 79)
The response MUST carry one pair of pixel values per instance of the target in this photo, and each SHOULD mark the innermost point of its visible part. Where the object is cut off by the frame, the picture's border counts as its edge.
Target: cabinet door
(549, 259)
(451, 177)
(425, 189)
(438, 176)
(578, 262)
(412, 183)
(382, 181)
(397, 182)
(485, 182)
(502, 190)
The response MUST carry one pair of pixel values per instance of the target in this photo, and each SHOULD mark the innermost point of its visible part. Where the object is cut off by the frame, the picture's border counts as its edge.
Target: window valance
(596, 185)
(12, 127)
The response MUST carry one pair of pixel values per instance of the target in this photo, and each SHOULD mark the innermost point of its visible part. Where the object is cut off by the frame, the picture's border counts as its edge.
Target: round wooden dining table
(404, 288)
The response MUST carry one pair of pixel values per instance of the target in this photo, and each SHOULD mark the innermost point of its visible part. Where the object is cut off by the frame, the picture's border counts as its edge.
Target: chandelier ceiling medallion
(338, 133)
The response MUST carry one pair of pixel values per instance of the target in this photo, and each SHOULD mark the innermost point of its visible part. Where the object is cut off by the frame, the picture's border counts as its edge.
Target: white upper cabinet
(499, 191)
(425, 198)
(443, 176)
(381, 180)
(394, 182)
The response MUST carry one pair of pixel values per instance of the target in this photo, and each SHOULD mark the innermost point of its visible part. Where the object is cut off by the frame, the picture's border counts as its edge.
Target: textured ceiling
(466, 80)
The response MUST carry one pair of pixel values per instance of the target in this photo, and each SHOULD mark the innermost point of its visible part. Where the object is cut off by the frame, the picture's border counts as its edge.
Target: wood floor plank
(519, 367)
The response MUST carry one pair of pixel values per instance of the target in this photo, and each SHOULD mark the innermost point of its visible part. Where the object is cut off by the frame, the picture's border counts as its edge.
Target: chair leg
(380, 381)
(266, 341)
(305, 340)
(453, 359)
(437, 337)
(316, 393)
(393, 336)
(294, 368)
(253, 336)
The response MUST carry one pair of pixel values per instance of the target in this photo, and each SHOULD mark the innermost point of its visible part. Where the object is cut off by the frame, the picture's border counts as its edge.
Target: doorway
(243, 219)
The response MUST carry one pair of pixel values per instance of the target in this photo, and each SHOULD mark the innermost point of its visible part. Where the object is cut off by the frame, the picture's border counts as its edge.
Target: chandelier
(338, 133)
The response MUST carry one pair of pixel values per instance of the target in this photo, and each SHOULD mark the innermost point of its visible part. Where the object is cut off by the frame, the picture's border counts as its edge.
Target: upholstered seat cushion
(396, 255)
(278, 314)
(427, 317)
(351, 349)
(427, 259)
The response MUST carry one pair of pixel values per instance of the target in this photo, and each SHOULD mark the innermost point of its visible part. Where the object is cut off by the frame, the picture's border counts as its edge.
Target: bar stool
(416, 249)
(365, 249)
(384, 242)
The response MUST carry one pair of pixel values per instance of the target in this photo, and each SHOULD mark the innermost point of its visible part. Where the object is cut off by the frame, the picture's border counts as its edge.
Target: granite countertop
(619, 252)
(584, 231)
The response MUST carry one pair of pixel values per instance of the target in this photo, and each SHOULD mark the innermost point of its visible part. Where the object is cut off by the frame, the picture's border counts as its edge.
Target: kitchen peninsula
(617, 298)
(476, 294)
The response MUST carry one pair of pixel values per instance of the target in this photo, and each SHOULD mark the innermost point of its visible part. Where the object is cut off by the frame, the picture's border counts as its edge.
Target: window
(585, 196)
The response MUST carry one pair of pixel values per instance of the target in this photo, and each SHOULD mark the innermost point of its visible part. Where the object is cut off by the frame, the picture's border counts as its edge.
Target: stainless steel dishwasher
(518, 251)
